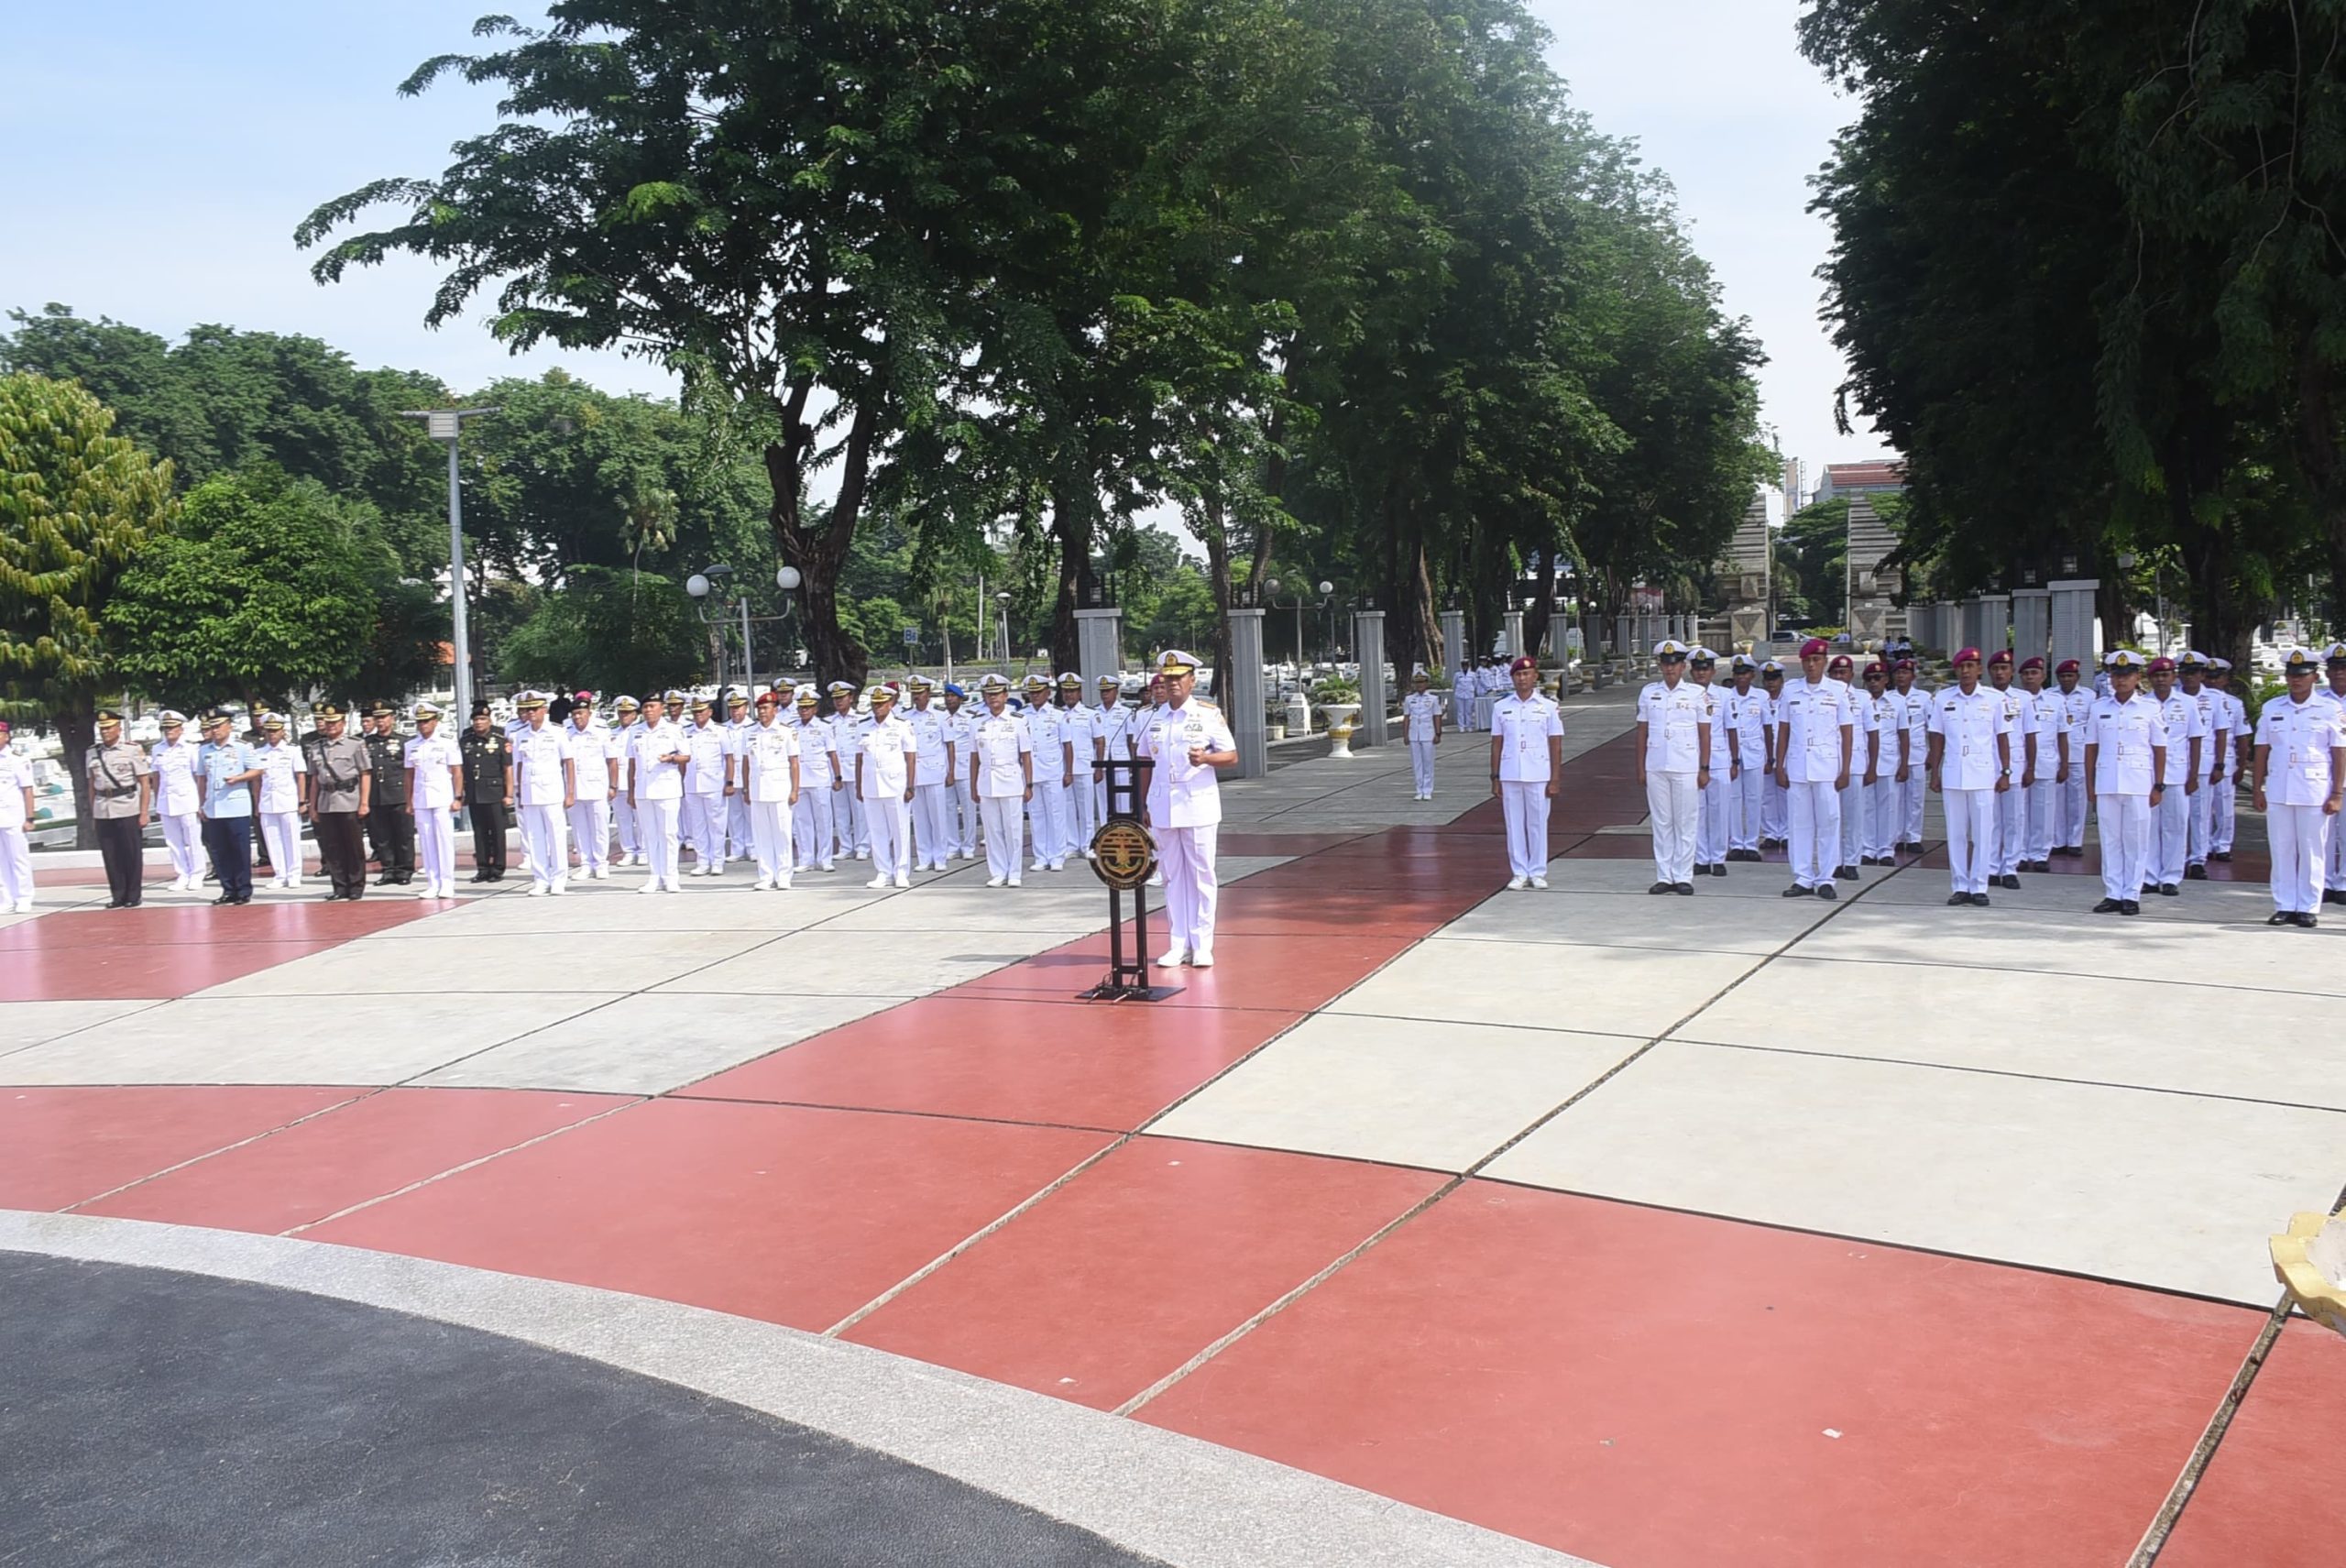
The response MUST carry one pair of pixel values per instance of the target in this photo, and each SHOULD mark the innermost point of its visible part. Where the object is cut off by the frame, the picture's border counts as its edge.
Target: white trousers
(1816, 812)
(2125, 844)
(1745, 795)
(1915, 793)
(549, 845)
(1885, 809)
(738, 846)
(1853, 822)
(2071, 834)
(1421, 763)
(2012, 829)
(435, 850)
(1004, 820)
(1710, 839)
(1676, 808)
(811, 827)
(656, 821)
(184, 835)
(1970, 838)
(1186, 856)
(2222, 812)
(590, 825)
(2170, 837)
(1081, 823)
(1049, 812)
(17, 868)
(889, 819)
(1775, 810)
(2335, 878)
(2202, 812)
(967, 818)
(933, 832)
(2043, 818)
(703, 825)
(2300, 839)
(770, 837)
(1524, 803)
(282, 830)
(847, 817)
(1462, 711)
(623, 817)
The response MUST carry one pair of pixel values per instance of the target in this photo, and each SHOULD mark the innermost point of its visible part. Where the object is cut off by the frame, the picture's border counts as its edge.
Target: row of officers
(803, 783)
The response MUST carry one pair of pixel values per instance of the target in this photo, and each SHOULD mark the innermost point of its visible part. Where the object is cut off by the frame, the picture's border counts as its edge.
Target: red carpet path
(1647, 1388)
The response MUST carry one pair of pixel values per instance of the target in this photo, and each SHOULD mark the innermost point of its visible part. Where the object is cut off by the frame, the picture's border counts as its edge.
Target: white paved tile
(497, 964)
(295, 1039)
(1743, 883)
(26, 1023)
(1437, 1095)
(1713, 924)
(2162, 1189)
(649, 1044)
(1546, 985)
(858, 963)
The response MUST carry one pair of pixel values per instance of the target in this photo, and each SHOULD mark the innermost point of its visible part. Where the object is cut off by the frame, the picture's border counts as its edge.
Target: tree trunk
(77, 731)
(1074, 509)
(832, 649)
(1215, 537)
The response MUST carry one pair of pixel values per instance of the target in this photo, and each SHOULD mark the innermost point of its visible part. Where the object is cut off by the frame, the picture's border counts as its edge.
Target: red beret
(1965, 656)
(582, 696)
(2065, 667)
(2033, 662)
(2162, 665)
(1840, 661)
(1525, 662)
(1815, 645)
(2001, 656)
(1904, 664)
(1873, 667)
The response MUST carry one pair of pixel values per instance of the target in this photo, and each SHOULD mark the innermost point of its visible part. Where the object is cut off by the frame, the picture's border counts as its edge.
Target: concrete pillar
(1099, 644)
(1242, 702)
(2032, 624)
(1368, 639)
(2073, 611)
(1995, 623)
(1625, 637)
(1454, 651)
(1514, 648)
(1972, 631)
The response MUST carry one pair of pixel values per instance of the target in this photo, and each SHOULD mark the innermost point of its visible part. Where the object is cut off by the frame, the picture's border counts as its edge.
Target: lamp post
(1271, 588)
(448, 425)
(701, 585)
(787, 579)
(1001, 607)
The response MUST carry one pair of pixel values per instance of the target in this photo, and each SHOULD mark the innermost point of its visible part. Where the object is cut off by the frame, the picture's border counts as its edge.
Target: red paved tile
(2270, 1497)
(770, 1211)
(1278, 973)
(358, 1151)
(1275, 843)
(1124, 1274)
(1658, 1390)
(1246, 910)
(158, 924)
(61, 1146)
(1070, 1063)
(105, 973)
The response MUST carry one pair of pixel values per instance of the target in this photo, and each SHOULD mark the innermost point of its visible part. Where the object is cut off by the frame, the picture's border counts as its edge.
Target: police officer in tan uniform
(122, 788)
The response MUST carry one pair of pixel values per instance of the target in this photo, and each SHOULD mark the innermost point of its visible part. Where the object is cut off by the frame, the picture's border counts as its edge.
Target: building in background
(1872, 478)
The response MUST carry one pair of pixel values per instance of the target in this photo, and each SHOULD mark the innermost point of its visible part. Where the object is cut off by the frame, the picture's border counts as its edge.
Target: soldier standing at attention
(1079, 722)
(2077, 706)
(2125, 760)
(2185, 743)
(178, 802)
(771, 780)
(702, 823)
(546, 785)
(855, 834)
(1775, 827)
(1814, 747)
(1527, 760)
(1001, 779)
(591, 768)
(2300, 761)
(489, 792)
(2222, 811)
(1748, 735)
(1673, 765)
(657, 755)
(1852, 795)
(887, 771)
(1052, 756)
(622, 801)
(434, 778)
(227, 770)
(933, 831)
(389, 822)
(1971, 763)
(122, 787)
(283, 769)
(1185, 739)
(341, 782)
(1422, 719)
(2334, 879)
(2046, 768)
(819, 785)
(1462, 691)
(1913, 785)
(1885, 795)
(1711, 836)
(2214, 720)
(16, 807)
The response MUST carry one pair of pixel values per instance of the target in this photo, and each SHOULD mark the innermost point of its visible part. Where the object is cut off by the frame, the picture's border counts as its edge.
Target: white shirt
(886, 743)
(430, 758)
(15, 777)
(622, 751)
(539, 753)
(647, 743)
(1182, 793)
(1047, 731)
(1814, 718)
(1418, 712)
(280, 763)
(2180, 714)
(995, 746)
(1523, 726)
(2019, 720)
(1861, 736)
(176, 791)
(959, 728)
(2215, 714)
(1746, 716)
(819, 757)
(2302, 736)
(590, 761)
(709, 746)
(1111, 722)
(1674, 716)
(2122, 734)
(2048, 720)
(1967, 725)
(928, 728)
(1918, 722)
(766, 750)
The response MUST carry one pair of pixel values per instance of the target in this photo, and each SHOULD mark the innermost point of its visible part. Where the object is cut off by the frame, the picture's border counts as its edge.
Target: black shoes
(1824, 891)
(1845, 873)
(2109, 907)
(1979, 900)
(1662, 887)
(1957, 900)
(2333, 897)
(2225, 855)
(2288, 918)
(2168, 890)
(2130, 906)
(1796, 891)
(2195, 873)
(1684, 890)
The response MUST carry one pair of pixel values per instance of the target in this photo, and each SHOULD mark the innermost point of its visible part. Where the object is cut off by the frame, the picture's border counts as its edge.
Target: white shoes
(993, 882)
(782, 884)
(1173, 957)
(602, 873)
(539, 890)
(651, 886)
(1015, 882)
(427, 890)
(863, 855)
(1518, 884)
(879, 881)
(24, 906)
(1058, 865)
(903, 880)
(1156, 878)
(1540, 882)
(762, 884)
(1203, 957)
(558, 889)
(1040, 866)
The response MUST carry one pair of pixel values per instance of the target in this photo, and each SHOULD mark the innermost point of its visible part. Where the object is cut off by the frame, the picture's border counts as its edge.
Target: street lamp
(1002, 605)
(448, 425)
(700, 585)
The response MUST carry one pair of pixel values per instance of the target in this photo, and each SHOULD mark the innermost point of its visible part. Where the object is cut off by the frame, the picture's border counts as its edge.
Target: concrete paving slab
(1713, 924)
(1437, 1095)
(291, 1039)
(703, 909)
(26, 1023)
(496, 963)
(1632, 877)
(649, 1045)
(2069, 895)
(1546, 985)
(2193, 1039)
(852, 963)
(2169, 1191)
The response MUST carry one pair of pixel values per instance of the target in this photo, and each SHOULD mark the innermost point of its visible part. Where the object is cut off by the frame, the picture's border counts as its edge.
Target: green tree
(78, 503)
(611, 631)
(269, 589)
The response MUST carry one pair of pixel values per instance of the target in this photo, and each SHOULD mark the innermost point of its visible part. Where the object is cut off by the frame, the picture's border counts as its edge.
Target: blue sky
(166, 151)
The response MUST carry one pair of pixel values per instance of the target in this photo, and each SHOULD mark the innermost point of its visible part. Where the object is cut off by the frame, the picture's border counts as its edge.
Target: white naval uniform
(1775, 810)
(2077, 706)
(2222, 811)
(2122, 737)
(1855, 824)
(1000, 785)
(1461, 699)
(1813, 719)
(178, 802)
(2334, 879)
(701, 822)
(1080, 725)
(934, 832)
(1746, 719)
(1918, 755)
(2048, 733)
(890, 754)
(1420, 712)
(539, 753)
(2011, 807)
(963, 822)
(16, 850)
(1672, 720)
(768, 750)
(2299, 778)
(1185, 814)
(1522, 726)
(846, 811)
(2171, 820)
(281, 808)
(519, 847)
(1108, 721)
(1711, 838)
(623, 747)
(1885, 797)
(1116, 731)
(659, 796)
(1049, 808)
(2214, 721)
(1968, 725)
(737, 845)
(432, 797)
(590, 811)
(818, 792)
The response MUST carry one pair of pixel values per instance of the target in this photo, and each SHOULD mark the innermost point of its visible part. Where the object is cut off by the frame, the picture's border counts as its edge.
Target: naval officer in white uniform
(1674, 718)
(1187, 740)
(1527, 760)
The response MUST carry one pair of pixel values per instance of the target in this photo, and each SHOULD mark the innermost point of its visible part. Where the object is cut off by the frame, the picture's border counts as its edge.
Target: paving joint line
(368, 1092)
